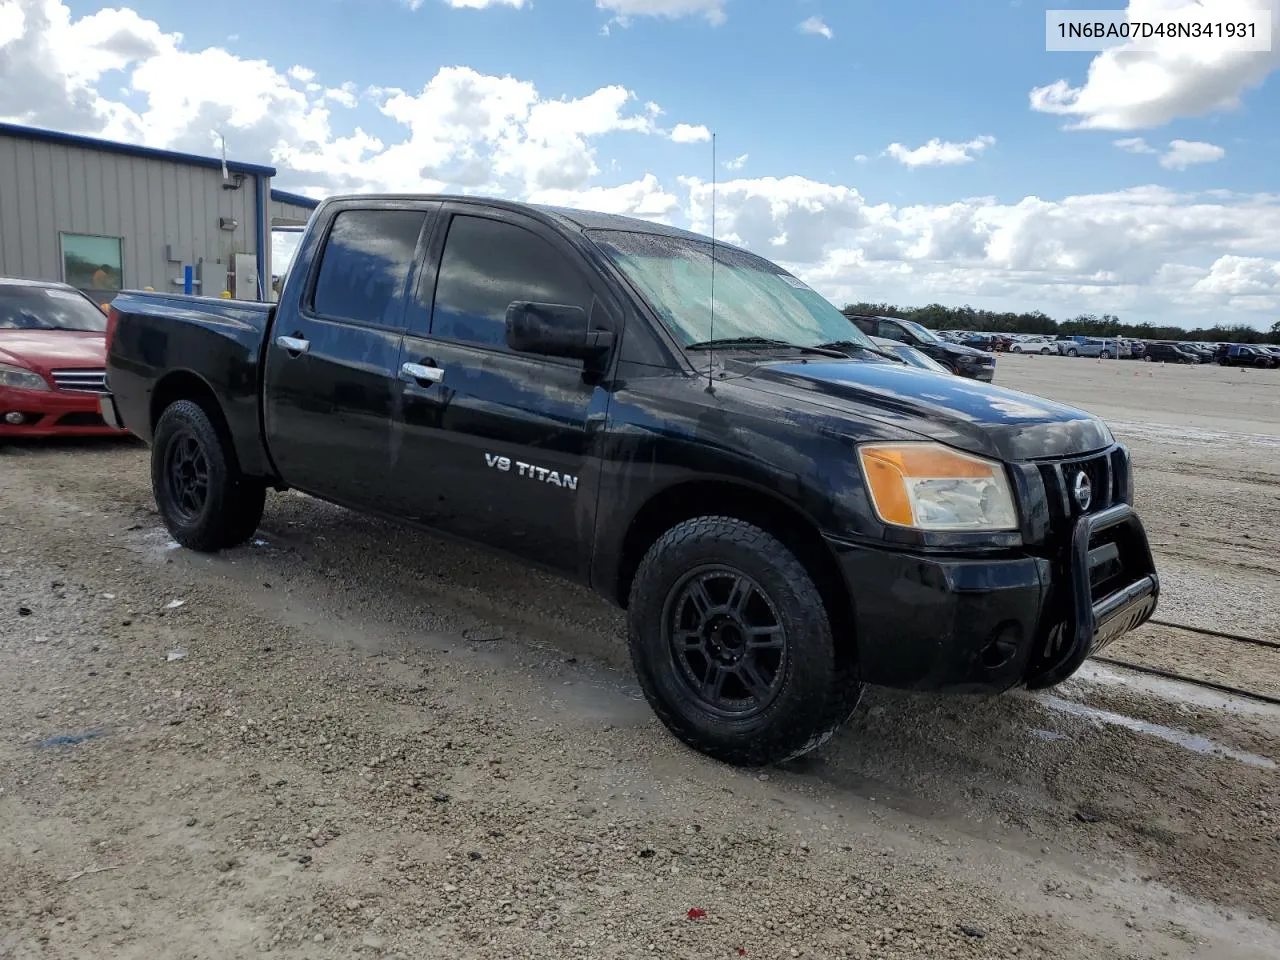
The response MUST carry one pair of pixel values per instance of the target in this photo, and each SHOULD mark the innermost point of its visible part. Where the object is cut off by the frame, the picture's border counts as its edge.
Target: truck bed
(159, 341)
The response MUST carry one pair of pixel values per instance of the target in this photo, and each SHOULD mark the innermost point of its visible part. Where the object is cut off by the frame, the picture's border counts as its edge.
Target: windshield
(48, 308)
(753, 298)
(922, 333)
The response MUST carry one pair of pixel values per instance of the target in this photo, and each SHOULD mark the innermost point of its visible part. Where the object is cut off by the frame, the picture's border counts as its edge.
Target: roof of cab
(567, 217)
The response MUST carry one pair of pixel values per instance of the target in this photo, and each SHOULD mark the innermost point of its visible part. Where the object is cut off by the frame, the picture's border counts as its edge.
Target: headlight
(20, 378)
(927, 486)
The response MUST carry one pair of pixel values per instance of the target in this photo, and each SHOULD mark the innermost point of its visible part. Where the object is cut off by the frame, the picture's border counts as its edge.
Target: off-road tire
(230, 505)
(818, 688)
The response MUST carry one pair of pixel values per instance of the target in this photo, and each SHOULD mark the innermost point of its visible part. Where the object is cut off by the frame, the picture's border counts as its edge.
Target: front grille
(81, 381)
(1105, 473)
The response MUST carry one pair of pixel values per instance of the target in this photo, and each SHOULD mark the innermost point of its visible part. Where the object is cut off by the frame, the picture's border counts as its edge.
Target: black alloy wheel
(205, 501)
(733, 645)
(187, 473)
(727, 641)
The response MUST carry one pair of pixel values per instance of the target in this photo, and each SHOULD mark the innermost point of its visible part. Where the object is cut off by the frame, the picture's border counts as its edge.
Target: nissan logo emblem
(1082, 490)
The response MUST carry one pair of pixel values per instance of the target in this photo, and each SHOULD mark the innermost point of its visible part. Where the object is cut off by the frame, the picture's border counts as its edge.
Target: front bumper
(985, 625)
(985, 372)
(52, 413)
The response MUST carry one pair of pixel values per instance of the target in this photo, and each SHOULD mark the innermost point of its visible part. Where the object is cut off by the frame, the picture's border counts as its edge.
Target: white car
(1034, 345)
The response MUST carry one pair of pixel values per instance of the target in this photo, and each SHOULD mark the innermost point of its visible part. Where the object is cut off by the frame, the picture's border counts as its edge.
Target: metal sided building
(106, 216)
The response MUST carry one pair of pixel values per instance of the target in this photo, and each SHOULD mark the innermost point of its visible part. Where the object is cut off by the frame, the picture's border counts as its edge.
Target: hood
(972, 416)
(45, 350)
(959, 349)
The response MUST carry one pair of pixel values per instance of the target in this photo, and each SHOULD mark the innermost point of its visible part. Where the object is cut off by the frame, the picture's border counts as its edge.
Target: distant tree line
(937, 317)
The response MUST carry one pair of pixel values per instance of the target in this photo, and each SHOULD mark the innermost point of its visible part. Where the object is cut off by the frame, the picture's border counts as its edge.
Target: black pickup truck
(785, 513)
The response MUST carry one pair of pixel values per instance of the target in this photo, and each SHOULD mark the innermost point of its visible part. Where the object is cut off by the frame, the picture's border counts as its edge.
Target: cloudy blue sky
(924, 150)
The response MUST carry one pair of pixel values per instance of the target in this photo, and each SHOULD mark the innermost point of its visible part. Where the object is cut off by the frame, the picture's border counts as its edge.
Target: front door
(495, 446)
(331, 365)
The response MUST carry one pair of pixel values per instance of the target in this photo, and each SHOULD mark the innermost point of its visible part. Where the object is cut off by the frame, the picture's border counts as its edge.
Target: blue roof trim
(129, 150)
(296, 199)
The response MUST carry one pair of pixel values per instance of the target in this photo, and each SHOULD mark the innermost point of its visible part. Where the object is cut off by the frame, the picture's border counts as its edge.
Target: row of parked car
(1121, 348)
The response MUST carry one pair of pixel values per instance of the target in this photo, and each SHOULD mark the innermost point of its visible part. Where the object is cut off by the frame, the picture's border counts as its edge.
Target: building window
(92, 263)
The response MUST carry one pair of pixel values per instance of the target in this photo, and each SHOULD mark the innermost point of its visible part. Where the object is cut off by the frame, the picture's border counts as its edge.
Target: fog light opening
(1001, 648)
(15, 418)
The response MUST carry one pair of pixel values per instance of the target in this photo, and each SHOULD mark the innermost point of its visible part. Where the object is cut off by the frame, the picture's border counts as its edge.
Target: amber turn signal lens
(928, 486)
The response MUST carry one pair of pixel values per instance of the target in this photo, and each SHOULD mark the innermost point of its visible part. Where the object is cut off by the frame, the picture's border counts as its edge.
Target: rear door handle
(295, 345)
(421, 374)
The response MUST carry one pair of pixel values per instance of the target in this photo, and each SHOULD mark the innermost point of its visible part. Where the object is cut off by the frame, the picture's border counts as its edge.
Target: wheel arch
(185, 385)
(751, 504)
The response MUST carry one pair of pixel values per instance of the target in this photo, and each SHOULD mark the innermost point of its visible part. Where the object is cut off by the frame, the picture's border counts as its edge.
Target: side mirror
(554, 330)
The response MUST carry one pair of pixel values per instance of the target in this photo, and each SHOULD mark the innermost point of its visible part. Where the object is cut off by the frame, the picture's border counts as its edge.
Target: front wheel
(204, 501)
(1148, 358)
(733, 646)
(1073, 352)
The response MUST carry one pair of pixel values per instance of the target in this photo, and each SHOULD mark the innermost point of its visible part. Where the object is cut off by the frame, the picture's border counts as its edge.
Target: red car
(53, 357)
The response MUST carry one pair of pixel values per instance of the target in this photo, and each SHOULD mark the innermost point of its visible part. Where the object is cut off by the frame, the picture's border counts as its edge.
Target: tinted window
(891, 331)
(486, 265)
(365, 262)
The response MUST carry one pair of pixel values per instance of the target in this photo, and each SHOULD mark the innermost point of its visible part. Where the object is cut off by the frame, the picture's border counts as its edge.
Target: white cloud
(345, 96)
(937, 152)
(1128, 90)
(1184, 153)
(686, 133)
(302, 74)
(1134, 145)
(816, 26)
(644, 198)
(737, 163)
(860, 158)
(475, 4)
(1243, 278)
(624, 10)
(12, 23)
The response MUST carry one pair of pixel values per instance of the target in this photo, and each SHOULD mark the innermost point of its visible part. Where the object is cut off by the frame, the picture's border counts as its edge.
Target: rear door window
(367, 259)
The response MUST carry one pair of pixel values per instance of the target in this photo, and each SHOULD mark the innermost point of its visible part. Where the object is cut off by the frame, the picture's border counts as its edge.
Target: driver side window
(486, 265)
(891, 331)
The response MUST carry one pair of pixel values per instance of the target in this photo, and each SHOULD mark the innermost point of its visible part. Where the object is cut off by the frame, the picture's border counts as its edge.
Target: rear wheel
(204, 501)
(1147, 357)
(1044, 351)
(733, 646)
(1105, 355)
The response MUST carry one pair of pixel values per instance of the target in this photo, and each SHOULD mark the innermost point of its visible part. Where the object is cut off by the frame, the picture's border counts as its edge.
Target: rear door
(331, 367)
(493, 445)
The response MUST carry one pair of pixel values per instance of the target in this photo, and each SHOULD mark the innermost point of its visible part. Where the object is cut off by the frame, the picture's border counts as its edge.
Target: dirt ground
(348, 739)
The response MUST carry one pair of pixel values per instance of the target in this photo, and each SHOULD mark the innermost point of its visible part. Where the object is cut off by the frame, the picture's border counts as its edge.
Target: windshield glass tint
(753, 298)
(922, 333)
(48, 308)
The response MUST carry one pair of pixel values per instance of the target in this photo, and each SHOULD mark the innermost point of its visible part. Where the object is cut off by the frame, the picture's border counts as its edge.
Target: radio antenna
(711, 333)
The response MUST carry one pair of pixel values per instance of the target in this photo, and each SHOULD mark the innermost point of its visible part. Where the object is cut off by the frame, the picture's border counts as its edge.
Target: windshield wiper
(846, 345)
(731, 342)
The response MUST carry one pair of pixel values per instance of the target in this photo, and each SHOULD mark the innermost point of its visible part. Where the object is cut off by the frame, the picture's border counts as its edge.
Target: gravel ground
(353, 740)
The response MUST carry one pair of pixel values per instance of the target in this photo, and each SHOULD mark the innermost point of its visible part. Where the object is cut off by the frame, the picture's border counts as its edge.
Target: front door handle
(295, 345)
(421, 374)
